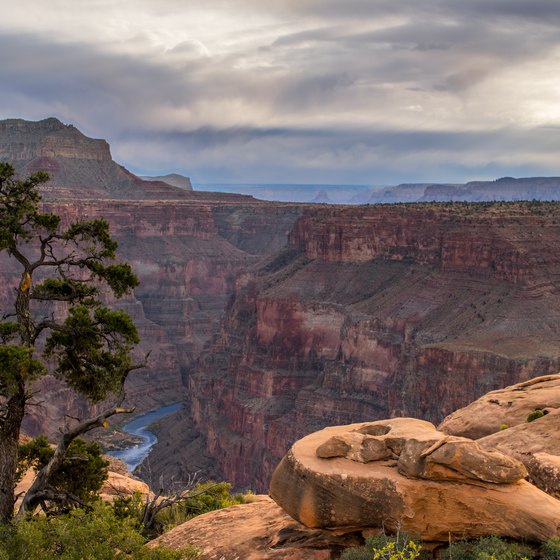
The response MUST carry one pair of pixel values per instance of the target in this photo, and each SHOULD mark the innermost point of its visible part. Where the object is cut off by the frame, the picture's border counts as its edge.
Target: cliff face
(186, 268)
(185, 247)
(77, 165)
(375, 312)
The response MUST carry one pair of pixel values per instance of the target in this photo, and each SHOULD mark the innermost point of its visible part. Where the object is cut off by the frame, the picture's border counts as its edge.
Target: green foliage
(205, 497)
(82, 472)
(504, 426)
(81, 535)
(384, 547)
(93, 350)
(208, 496)
(551, 549)
(119, 277)
(536, 414)
(18, 207)
(8, 331)
(17, 366)
(59, 289)
(487, 548)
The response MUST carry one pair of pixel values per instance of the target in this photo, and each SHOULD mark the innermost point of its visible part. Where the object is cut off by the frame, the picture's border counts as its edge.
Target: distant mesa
(173, 179)
(77, 165)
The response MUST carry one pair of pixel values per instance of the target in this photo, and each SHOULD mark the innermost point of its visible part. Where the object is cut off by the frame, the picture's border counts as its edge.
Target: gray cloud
(302, 90)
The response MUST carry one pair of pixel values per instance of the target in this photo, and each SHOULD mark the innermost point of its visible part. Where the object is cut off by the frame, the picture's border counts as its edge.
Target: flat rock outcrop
(255, 531)
(504, 408)
(417, 479)
(498, 421)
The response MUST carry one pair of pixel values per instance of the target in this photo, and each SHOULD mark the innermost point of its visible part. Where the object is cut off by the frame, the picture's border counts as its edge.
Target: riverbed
(133, 456)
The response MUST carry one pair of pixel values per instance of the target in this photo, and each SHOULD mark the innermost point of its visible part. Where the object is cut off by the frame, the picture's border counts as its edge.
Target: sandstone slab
(504, 408)
(255, 531)
(346, 494)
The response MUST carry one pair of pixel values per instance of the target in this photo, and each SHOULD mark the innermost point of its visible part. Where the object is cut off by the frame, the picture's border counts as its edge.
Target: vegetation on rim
(87, 346)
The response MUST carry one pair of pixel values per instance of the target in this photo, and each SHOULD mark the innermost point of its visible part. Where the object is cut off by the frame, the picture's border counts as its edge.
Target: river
(133, 456)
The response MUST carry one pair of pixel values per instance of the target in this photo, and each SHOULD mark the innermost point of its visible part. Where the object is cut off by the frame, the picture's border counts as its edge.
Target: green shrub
(551, 549)
(536, 414)
(82, 473)
(504, 426)
(487, 548)
(384, 547)
(81, 535)
(204, 497)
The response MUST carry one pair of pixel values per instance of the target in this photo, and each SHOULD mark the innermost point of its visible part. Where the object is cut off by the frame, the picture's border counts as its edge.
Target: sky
(295, 91)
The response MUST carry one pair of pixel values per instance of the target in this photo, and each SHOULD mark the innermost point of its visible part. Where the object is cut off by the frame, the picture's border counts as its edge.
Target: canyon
(274, 320)
(376, 312)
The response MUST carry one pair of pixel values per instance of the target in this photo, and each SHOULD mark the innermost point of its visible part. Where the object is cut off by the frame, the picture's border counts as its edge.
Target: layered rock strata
(373, 312)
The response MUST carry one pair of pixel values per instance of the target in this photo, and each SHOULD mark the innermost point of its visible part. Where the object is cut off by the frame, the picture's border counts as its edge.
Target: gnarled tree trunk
(10, 422)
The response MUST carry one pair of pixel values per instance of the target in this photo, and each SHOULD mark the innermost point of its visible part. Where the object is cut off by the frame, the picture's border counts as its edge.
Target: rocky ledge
(403, 474)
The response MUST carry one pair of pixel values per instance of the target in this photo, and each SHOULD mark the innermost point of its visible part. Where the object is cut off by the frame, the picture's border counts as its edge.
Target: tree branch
(36, 493)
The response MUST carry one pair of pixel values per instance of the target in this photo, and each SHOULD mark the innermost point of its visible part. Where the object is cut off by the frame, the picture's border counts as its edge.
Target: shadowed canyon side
(373, 312)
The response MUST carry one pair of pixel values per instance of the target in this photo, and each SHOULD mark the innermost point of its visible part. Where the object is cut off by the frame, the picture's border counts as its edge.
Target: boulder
(504, 408)
(434, 486)
(119, 485)
(499, 420)
(255, 531)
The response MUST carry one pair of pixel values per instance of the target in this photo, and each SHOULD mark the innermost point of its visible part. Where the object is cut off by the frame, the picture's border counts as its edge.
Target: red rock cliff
(186, 268)
(373, 312)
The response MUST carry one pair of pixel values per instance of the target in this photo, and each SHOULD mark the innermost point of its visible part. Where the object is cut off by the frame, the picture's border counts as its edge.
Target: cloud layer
(367, 91)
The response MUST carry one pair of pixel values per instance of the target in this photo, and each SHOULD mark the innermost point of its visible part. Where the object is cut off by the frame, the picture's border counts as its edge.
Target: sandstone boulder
(536, 444)
(504, 408)
(434, 486)
(120, 485)
(255, 531)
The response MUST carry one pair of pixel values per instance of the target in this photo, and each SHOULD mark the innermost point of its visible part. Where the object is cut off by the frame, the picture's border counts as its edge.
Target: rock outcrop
(255, 531)
(506, 188)
(402, 474)
(374, 312)
(499, 422)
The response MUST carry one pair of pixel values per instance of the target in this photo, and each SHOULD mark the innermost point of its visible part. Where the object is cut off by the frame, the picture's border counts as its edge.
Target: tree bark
(10, 423)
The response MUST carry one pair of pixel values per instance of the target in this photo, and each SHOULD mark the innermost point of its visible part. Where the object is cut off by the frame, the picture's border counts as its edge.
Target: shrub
(487, 548)
(384, 547)
(81, 535)
(203, 497)
(82, 472)
(536, 414)
(551, 549)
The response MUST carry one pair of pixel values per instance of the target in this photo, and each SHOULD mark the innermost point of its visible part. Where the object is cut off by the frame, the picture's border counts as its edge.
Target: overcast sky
(324, 91)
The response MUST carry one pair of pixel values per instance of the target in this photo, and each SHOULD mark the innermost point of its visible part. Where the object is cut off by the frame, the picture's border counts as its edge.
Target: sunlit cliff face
(377, 92)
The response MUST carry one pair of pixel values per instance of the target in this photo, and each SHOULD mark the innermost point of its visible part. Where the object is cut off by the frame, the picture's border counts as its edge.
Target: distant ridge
(503, 189)
(82, 167)
(173, 179)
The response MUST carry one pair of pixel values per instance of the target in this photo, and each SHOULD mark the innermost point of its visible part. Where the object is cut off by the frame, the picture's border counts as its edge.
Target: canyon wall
(371, 312)
(186, 266)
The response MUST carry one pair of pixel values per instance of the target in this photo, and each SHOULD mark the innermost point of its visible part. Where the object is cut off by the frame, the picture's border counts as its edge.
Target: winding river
(133, 456)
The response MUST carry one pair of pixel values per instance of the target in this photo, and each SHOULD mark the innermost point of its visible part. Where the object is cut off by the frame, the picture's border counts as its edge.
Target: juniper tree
(86, 345)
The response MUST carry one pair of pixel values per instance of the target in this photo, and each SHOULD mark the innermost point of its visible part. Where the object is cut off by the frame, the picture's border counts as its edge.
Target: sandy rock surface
(536, 444)
(504, 407)
(434, 486)
(255, 531)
